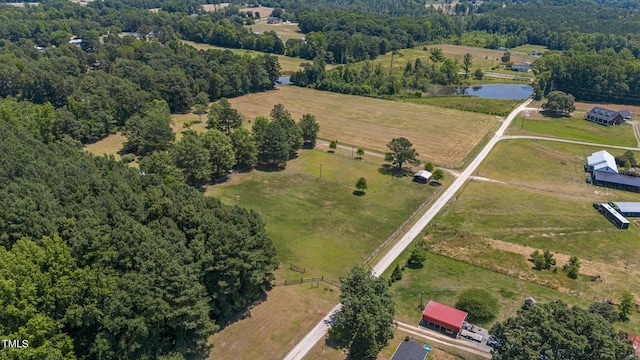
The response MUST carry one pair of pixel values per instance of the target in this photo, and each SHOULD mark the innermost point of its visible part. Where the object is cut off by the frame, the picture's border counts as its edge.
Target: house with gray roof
(604, 172)
(409, 350)
(607, 117)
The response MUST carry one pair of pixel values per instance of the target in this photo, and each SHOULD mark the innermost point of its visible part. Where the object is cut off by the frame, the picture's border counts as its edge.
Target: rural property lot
(541, 201)
(318, 223)
(275, 325)
(288, 64)
(573, 128)
(442, 136)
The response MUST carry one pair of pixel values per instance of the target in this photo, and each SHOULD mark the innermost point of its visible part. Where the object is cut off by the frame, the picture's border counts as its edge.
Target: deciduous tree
(627, 305)
(244, 146)
(403, 152)
(151, 130)
(192, 157)
(556, 331)
(480, 304)
(223, 117)
(364, 324)
(309, 128)
(559, 102)
(221, 154)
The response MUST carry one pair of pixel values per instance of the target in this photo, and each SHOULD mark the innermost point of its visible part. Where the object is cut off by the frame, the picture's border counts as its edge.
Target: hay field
(442, 136)
(288, 64)
(262, 10)
(284, 30)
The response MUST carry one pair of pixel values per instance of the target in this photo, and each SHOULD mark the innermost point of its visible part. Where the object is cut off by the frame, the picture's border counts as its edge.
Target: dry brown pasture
(107, 146)
(262, 10)
(276, 325)
(284, 30)
(442, 136)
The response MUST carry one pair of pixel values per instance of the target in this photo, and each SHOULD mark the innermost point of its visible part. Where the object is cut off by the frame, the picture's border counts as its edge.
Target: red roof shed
(636, 342)
(444, 316)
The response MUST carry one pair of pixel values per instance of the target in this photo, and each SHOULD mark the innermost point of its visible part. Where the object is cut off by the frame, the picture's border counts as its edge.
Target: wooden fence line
(303, 280)
(395, 233)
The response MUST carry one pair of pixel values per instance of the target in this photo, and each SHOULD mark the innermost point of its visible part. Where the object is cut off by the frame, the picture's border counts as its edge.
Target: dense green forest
(103, 261)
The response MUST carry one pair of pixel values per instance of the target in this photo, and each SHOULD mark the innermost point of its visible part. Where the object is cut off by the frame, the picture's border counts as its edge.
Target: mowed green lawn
(442, 279)
(317, 223)
(536, 199)
(442, 136)
(288, 64)
(573, 128)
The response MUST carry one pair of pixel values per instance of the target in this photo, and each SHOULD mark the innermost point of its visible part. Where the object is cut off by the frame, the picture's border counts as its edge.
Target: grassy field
(538, 199)
(573, 128)
(467, 103)
(443, 136)
(526, 49)
(110, 145)
(276, 325)
(286, 31)
(484, 59)
(442, 279)
(288, 64)
(318, 223)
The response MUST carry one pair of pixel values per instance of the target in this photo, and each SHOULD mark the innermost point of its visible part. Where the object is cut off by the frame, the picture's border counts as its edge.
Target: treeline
(368, 78)
(97, 88)
(344, 35)
(604, 76)
(102, 261)
(560, 25)
(391, 7)
(200, 158)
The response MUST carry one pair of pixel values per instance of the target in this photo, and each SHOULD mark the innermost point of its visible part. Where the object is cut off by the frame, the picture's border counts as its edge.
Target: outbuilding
(422, 176)
(628, 209)
(443, 318)
(410, 350)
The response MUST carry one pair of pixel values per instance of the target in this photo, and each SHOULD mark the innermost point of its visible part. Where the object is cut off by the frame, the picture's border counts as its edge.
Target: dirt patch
(214, 7)
(636, 223)
(262, 10)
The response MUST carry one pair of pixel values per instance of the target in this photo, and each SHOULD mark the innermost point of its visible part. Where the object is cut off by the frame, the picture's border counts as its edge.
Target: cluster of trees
(199, 158)
(118, 85)
(543, 260)
(557, 331)
(572, 268)
(604, 76)
(612, 313)
(364, 324)
(368, 78)
(103, 261)
(559, 103)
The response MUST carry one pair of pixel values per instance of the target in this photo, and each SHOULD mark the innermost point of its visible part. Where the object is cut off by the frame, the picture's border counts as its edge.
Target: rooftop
(409, 350)
(601, 160)
(608, 114)
(444, 314)
(423, 174)
(628, 207)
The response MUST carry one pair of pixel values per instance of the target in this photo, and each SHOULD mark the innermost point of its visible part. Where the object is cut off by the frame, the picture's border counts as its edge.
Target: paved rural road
(320, 330)
(507, 137)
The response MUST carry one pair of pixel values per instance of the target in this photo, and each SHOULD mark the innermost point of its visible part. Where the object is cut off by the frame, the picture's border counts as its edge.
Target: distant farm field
(442, 136)
(318, 223)
(468, 103)
(484, 59)
(284, 30)
(573, 128)
(288, 64)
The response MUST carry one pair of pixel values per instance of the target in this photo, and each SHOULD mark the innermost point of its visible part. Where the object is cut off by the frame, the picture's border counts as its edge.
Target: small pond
(285, 80)
(486, 91)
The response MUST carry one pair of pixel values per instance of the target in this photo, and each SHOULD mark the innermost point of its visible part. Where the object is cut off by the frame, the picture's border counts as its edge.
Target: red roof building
(443, 318)
(636, 342)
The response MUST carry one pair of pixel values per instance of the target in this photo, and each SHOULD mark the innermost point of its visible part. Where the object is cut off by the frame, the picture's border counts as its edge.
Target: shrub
(127, 158)
(480, 304)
